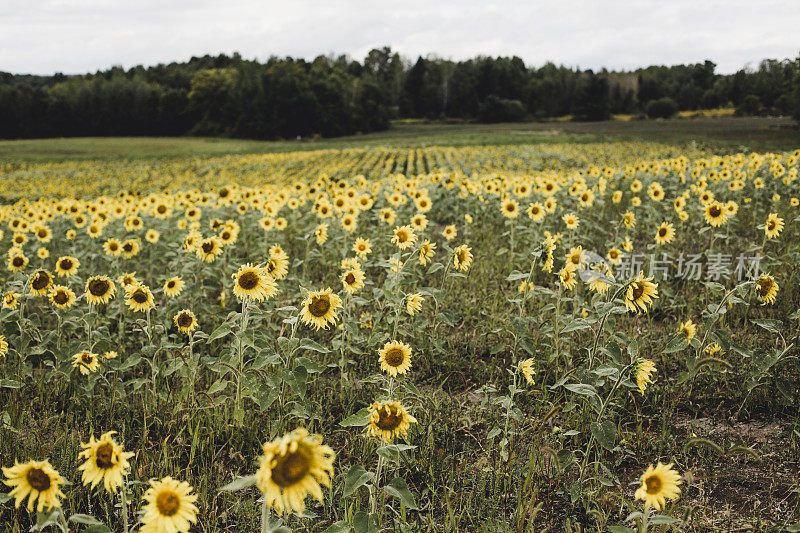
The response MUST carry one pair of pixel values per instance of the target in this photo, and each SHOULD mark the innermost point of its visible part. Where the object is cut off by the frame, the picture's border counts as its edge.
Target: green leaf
(218, 386)
(769, 324)
(676, 345)
(85, 519)
(356, 477)
(222, 331)
(605, 433)
(581, 388)
(339, 527)
(621, 529)
(239, 483)
(398, 488)
(662, 519)
(365, 523)
(575, 325)
(308, 344)
(312, 367)
(360, 418)
(9, 384)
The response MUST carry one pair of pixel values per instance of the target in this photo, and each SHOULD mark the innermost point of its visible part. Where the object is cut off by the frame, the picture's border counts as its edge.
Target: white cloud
(73, 36)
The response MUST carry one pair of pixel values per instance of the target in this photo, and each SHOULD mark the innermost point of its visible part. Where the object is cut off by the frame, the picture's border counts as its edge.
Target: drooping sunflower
(658, 485)
(186, 321)
(319, 309)
(395, 358)
(715, 214)
(665, 233)
(292, 467)
(362, 248)
(170, 507)
(426, 251)
(404, 237)
(767, 289)
(567, 277)
(640, 293)
(278, 266)
(3, 346)
(389, 420)
(773, 226)
(106, 461)
(526, 367)
(139, 298)
(414, 303)
(353, 280)
(36, 480)
(688, 328)
(41, 281)
(85, 361)
(173, 287)
(629, 219)
(321, 233)
(10, 300)
(254, 283)
(61, 296)
(462, 257)
(644, 370)
(67, 266)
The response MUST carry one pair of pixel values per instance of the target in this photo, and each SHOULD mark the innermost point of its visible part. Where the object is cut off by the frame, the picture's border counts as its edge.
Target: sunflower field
(568, 337)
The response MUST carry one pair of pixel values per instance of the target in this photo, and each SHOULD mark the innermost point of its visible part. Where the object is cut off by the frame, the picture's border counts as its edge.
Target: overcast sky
(77, 36)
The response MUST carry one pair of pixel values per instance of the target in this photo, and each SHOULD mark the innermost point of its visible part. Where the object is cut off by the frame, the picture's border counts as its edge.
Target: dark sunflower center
(170, 284)
(613, 255)
(127, 247)
(662, 232)
(207, 247)
(394, 357)
(638, 290)
(139, 296)
(389, 421)
(98, 287)
(653, 485)
(402, 236)
(226, 235)
(715, 211)
(42, 233)
(113, 247)
(185, 320)
(319, 306)
(771, 225)
(40, 281)
(764, 287)
(349, 278)
(248, 280)
(86, 358)
(61, 298)
(291, 469)
(535, 210)
(18, 261)
(105, 454)
(461, 256)
(161, 209)
(38, 479)
(167, 503)
(510, 208)
(66, 264)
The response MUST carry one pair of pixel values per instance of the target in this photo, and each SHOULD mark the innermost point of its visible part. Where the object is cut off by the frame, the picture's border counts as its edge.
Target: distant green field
(731, 133)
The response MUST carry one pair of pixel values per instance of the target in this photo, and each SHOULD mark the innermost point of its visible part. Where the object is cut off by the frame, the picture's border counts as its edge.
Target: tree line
(330, 96)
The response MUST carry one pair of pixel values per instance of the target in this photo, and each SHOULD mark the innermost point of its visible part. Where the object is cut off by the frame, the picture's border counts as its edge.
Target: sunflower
(567, 277)
(321, 233)
(688, 328)
(152, 236)
(319, 309)
(510, 208)
(658, 485)
(449, 232)
(395, 358)
(644, 370)
(3, 346)
(536, 212)
(714, 349)
(106, 461)
(292, 467)
(426, 251)
(67, 266)
(208, 249)
(41, 282)
(130, 248)
(17, 261)
(715, 214)
(388, 215)
(571, 220)
(419, 221)
(665, 233)
(85, 361)
(254, 283)
(462, 257)
(186, 321)
(526, 367)
(112, 247)
(128, 280)
(766, 289)
(773, 226)
(36, 480)
(353, 280)
(173, 287)
(389, 420)
(42, 253)
(139, 298)
(404, 237)
(10, 300)
(362, 247)
(614, 256)
(414, 303)
(574, 257)
(277, 266)
(640, 293)
(61, 296)
(170, 507)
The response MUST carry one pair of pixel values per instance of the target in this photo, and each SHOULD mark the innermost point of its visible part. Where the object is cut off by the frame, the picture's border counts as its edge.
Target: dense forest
(329, 96)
